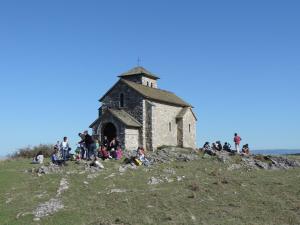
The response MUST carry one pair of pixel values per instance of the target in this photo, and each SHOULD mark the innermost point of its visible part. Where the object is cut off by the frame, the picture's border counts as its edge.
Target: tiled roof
(156, 94)
(125, 118)
(137, 71)
(182, 112)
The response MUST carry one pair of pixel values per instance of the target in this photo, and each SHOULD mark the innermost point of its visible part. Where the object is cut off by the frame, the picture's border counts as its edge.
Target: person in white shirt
(39, 158)
(65, 148)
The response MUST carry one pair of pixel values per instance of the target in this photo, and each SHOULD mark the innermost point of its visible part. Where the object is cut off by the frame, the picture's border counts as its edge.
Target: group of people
(217, 146)
(60, 154)
(91, 149)
(88, 148)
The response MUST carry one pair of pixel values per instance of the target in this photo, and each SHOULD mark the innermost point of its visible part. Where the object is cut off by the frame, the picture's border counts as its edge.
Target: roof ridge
(137, 71)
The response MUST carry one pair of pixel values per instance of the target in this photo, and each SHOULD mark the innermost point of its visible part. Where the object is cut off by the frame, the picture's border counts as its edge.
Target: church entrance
(110, 131)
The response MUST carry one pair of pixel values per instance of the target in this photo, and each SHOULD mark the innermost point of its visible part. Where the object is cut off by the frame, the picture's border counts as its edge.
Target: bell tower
(142, 76)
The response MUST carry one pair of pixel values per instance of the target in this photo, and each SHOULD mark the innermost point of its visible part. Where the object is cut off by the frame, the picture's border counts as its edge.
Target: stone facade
(189, 130)
(133, 101)
(131, 138)
(164, 124)
(140, 114)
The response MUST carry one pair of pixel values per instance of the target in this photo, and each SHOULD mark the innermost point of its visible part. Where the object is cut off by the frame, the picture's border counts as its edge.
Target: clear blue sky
(237, 62)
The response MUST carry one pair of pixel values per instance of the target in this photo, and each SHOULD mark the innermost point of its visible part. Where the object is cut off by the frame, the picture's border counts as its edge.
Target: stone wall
(157, 119)
(133, 101)
(164, 118)
(148, 125)
(140, 79)
(148, 82)
(131, 139)
(189, 130)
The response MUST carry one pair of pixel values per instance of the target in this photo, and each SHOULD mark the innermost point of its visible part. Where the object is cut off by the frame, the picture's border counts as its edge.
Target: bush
(30, 152)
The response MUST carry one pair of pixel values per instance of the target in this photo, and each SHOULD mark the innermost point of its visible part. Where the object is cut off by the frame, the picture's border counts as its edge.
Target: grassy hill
(202, 191)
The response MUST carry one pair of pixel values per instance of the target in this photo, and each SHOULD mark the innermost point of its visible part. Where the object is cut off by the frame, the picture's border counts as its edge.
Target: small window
(121, 100)
(151, 84)
(170, 127)
(190, 128)
(148, 83)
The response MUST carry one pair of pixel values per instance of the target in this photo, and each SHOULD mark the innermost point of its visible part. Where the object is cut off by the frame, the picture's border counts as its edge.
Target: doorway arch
(110, 131)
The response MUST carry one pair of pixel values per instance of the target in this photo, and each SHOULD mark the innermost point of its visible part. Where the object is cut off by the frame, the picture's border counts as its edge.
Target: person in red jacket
(237, 140)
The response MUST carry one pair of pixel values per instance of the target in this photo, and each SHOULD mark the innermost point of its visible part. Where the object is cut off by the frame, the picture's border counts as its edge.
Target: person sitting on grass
(245, 149)
(208, 150)
(141, 156)
(113, 144)
(214, 147)
(104, 154)
(77, 156)
(119, 153)
(39, 158)
(219, 146)
(112, 153)
(227, 147)
(55, 159)
(105, 142)
(206, 146)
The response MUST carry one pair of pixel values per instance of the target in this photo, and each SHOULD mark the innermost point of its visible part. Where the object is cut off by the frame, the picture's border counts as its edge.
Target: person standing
(90, 145)
(65, 148)
(82, 146)
(237, 140)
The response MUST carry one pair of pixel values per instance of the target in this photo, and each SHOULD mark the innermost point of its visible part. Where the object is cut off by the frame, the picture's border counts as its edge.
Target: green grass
(209, 194)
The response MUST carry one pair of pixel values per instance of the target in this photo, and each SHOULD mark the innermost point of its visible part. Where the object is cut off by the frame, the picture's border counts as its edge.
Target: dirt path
(54, 204)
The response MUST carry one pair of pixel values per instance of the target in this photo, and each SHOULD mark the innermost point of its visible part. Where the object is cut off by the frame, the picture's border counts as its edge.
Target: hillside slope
(201, 191)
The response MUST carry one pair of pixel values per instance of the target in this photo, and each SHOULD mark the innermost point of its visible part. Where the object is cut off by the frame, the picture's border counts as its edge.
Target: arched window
(170, 126)
(148, 83)
(151, 84)
(121, 100)
(190, 128)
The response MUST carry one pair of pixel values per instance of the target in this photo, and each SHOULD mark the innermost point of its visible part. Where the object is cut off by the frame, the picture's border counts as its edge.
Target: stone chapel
(138, 113)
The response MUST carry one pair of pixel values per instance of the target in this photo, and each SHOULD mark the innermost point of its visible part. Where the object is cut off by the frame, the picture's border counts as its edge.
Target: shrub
(30, 152)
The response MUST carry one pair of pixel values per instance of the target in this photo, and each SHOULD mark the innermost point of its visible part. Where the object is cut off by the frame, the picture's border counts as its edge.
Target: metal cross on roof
(139, 61)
